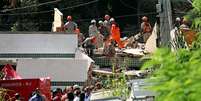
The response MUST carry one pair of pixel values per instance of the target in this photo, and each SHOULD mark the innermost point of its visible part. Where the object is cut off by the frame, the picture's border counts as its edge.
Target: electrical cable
(41, 12)
(88, 19)
(127, 5)
(35, 5)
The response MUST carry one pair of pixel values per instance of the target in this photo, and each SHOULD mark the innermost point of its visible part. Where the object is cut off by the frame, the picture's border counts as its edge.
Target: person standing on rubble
(103, 30)
(177, 23)
(80, 37)
(107, 23)
(184, 25)
(70, 26)
(93, 31)
(115, 33)
(145, 28)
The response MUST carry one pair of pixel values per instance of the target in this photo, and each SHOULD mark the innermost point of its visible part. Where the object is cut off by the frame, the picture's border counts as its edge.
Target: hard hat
(69, 17)
(178, 19)
(112, 20)
(76, 86)
(144, 18)
(93, 21)
(107, 17)
(100, 22)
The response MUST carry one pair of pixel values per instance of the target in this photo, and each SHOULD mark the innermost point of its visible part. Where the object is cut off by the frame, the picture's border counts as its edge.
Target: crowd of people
(104, 34)
(71, 93)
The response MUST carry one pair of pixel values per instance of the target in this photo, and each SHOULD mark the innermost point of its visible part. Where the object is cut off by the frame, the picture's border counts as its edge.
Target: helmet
(69, 17)
(76, 86)
(100, 22)
(107, 17)
(112, 20)
(93, 21)
(178, 19)
(144, 18)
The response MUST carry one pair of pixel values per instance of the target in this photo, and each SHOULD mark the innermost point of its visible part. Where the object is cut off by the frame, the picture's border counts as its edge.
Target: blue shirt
(37, 97)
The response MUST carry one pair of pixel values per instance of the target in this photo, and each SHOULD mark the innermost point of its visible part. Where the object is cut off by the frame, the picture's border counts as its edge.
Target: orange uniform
(115, 34)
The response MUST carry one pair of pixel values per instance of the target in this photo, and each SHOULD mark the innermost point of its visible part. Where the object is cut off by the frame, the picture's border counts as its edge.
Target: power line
(116, 17)
(41, 12)
(35, 5)
(127, 5)
(88, 19)
(94, 1)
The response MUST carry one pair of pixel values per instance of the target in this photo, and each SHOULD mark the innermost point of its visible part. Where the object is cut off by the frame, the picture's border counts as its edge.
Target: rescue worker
(115, 33)
(145, 29)
(80, 37)
(177, 22)
(184, 25)
(70, 26)
(93, 31)
(103, 30)
(89, 45)
(100, 37)
(109, 47)
(107, 23)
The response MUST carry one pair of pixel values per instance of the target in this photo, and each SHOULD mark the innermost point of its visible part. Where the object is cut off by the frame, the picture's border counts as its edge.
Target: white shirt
(76, 98)
(70, 26)
(93, 30)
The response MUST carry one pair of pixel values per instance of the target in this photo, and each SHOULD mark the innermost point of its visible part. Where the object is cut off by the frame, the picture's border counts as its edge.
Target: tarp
(25, 87)
(150, 45)
(10, 73)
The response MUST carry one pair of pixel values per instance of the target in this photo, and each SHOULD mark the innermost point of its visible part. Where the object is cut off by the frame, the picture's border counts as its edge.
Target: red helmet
(144, 18)
(69, 17)
(107, 17)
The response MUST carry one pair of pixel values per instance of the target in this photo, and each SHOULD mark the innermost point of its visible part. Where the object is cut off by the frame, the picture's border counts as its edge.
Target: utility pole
(165, 13)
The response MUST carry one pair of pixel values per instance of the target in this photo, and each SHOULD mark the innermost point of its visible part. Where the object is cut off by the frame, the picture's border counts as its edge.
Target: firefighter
(115, 33)
(93, 30)
(70, 26)
(103, 30)
(107, 23)
(145, 28)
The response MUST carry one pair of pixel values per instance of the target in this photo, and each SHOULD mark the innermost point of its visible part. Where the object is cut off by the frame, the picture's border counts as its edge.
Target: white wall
(58, 19)
(56, 69)
(38, 43)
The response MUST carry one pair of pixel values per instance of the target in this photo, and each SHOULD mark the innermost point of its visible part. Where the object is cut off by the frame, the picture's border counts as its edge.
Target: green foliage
(119, 86)
(195, 15)
(197, 5)
(117, 83)
(177, 75)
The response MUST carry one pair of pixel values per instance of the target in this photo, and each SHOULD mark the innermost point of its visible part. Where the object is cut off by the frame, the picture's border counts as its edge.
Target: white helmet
(178, 19)
(112, 19)
(93, 21)
(100, 22)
